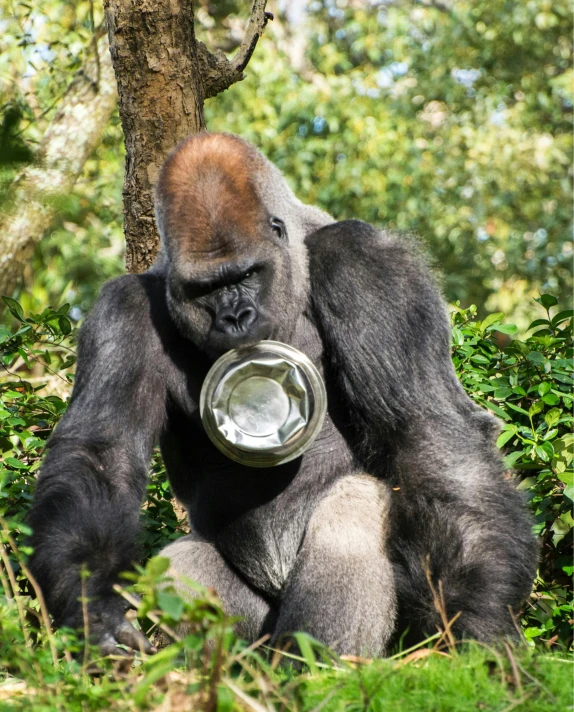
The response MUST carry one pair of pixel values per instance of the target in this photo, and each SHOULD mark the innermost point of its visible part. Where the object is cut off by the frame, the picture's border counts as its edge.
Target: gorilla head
(232, 233)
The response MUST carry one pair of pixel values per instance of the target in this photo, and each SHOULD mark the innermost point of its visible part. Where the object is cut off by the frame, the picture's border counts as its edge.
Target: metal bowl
(263, 405)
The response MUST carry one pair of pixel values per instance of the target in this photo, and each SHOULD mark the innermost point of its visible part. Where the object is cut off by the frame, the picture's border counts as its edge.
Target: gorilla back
(402, 487)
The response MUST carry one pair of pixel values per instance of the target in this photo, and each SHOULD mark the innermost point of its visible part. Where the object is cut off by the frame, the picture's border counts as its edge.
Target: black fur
(404, 475)
(387, 341)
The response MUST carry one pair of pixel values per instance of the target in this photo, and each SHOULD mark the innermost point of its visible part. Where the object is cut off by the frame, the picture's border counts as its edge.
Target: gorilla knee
(192, 559)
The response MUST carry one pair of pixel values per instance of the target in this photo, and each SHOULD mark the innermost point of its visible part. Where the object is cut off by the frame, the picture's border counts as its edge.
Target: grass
(211, 670)
(476, 679)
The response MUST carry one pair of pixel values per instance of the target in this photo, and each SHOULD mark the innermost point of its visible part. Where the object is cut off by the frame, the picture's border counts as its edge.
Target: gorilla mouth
(218, 343)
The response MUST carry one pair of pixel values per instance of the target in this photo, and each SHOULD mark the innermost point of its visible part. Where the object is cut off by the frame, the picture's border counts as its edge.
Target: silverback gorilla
(403, 480)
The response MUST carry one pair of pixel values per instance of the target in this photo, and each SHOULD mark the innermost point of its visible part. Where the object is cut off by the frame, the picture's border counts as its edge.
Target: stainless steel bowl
(263, 405)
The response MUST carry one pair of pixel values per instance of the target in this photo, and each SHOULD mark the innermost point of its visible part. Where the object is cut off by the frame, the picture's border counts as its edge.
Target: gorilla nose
(231, 321)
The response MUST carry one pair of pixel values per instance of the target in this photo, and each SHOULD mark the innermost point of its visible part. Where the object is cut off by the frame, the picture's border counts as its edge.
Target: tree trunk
(163, 77)
(69, 141)
(154, 53)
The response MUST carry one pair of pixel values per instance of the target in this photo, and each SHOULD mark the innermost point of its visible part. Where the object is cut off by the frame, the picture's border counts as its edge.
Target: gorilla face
(222, 304)
(233, 276)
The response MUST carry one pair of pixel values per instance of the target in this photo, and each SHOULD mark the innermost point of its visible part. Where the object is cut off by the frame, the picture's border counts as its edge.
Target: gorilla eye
(279, 226)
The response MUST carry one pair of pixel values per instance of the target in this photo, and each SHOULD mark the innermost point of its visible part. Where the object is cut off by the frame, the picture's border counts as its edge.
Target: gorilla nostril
(246, 317)
(231, 321)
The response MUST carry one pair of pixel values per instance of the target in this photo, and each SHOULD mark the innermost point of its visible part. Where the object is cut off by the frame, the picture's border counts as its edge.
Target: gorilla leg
(341, 590)
(194, 558)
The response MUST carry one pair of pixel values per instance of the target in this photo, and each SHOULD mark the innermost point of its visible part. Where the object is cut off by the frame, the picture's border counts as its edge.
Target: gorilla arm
(91, 485)
(453, 516)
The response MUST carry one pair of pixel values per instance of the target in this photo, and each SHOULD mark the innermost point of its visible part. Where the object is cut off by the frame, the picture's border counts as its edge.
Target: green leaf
(547, 300)
(225, 699)
(552, 417)
(65, 325)
(542, 454)
(157, 566)
(517, 408)
(561, 527)
(13, 462)
(551, 399)
(503, 438)
(536, 357)
(170, 604)
(490, 320)
(538, 322)
(495, 409)
(14, 308)
(544, 388)
(510, 459)
(479, 358)
(562, 316)
(507, 329)
(305, 643)
(535, 408)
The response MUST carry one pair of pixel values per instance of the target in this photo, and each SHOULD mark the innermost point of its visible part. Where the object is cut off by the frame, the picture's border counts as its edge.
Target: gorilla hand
(109, 628)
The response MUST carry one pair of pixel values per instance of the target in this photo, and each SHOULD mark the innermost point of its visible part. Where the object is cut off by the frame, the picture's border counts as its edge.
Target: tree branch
(71, 137)
(218, 72)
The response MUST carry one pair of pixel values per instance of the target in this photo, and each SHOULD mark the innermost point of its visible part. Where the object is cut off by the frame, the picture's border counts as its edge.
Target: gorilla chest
(256, 517)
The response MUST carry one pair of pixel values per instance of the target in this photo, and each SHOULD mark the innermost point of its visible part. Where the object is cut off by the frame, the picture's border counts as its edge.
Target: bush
(526, 382)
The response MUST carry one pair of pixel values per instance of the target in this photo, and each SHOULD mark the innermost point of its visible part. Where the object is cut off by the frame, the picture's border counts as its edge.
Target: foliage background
(452, 120)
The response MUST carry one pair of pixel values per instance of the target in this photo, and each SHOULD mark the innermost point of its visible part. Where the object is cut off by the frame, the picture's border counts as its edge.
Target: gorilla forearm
(455, 520)
(81, 518)
(91, 485)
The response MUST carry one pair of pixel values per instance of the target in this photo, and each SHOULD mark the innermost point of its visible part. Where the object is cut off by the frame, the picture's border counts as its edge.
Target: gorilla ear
(279, 227)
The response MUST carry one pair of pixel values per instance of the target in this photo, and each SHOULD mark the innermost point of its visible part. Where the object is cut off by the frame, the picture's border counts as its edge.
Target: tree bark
(163, 77)
(70, 139)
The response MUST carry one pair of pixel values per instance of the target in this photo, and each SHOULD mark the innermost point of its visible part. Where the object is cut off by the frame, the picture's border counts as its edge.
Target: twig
(244, 697)
(255, 27)
(5, 585)
(219, 73)
(37, 590)
(21, 614)
(94, 43)
(518, 628)
(86, 621)
(415, 647)
(151, 615)
(536, 682)
(515, 673)
(252, 647)
(514, 704)
(440, 606)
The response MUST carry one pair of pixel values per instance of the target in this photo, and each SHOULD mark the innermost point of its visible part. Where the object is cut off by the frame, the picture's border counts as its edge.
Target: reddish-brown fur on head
(206, 196)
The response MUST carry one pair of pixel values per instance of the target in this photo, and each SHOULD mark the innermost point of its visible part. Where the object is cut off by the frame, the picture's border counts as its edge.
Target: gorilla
(401, 494)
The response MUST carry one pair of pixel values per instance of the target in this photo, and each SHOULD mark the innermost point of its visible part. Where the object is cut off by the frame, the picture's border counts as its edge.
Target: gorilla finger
(128, 635)
(108, 645)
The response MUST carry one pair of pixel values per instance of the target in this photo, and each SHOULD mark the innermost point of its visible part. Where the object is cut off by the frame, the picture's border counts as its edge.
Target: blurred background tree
(449, 119)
